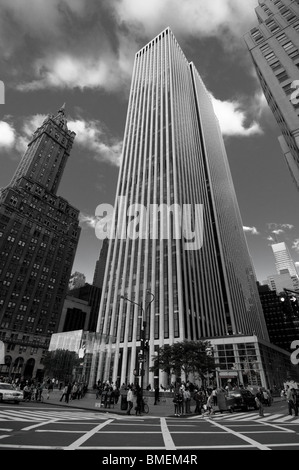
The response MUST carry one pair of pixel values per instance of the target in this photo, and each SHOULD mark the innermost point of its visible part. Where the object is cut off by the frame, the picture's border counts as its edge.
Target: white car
(9, 393)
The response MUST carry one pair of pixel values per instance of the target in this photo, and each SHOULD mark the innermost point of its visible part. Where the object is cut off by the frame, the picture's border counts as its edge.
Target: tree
(60, 364)
(190, 357)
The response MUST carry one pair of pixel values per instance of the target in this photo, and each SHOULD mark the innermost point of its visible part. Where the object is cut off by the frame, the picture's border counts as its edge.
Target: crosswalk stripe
(241, 417)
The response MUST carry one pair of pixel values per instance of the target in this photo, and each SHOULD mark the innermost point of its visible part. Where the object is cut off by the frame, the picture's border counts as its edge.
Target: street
(33, 426)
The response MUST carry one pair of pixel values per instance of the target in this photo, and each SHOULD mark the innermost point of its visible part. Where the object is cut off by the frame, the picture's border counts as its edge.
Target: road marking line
(169, 444)
(241, 436)
(44, 423)
(87, 435)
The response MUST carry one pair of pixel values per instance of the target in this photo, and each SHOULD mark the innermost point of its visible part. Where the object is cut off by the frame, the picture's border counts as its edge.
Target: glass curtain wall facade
(274, 49)
(173, 155)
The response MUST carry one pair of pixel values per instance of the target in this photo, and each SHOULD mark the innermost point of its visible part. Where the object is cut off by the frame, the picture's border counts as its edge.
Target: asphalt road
(151, 439)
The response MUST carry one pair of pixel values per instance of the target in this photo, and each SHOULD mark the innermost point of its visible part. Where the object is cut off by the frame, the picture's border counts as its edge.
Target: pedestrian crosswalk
(29, 415)
(243, 416)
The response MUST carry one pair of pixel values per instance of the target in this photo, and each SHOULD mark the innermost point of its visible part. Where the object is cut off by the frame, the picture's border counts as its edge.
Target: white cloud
(89, 220)
(252, 230)
(69, 71)
(295, 245)
(7, 135)
(90, 135)
(80, 43)
(232, 119)
(198, 18)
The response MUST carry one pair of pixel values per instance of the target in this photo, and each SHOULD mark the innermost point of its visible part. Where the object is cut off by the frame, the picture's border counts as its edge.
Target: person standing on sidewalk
(129, 400)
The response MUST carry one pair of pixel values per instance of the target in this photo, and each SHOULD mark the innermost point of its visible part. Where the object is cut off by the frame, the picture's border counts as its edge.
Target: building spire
(62, 109)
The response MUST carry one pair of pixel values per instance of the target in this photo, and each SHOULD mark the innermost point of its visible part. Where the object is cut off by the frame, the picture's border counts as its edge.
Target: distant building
(75, 315)
(282, 316)
(283, 259)
(279, 282)
(99, 272)
(39, 233)
(92, 296)
(76, 280)
(274, 49)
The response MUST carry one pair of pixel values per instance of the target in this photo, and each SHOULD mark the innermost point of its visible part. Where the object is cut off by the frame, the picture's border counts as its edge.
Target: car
(9, 393)
(241, 399)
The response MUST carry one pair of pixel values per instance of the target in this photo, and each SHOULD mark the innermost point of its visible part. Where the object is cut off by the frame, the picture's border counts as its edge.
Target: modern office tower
(39, 233)
(77, 280)
(173, 158)
(99, 271)
(283, 259)
(274, 49)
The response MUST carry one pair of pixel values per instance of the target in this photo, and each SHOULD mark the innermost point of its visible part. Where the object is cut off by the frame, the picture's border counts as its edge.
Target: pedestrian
(129, 400)
(199, 399)
(139, 407)
(210, 402)
(176, 404)
(68, 392)
(259, 399)
(214, 393)
(64, 392)
(292, 401)
(157, 395)
(187, 400)
(295, 400)
(283, 394)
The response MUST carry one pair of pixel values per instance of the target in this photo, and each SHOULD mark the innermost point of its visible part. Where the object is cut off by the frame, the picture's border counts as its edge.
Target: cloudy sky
(81, 52)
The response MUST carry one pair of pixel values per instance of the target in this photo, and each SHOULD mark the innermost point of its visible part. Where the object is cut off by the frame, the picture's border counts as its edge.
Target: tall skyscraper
(39, 233)
(173, 155)
(274, 49)
(283, 259)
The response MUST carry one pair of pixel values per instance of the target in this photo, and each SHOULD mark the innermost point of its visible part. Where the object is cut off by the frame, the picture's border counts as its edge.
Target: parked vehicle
(241, 399)
(9, 393)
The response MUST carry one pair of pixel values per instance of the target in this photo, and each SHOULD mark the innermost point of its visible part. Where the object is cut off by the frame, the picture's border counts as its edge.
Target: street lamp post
(142, 335)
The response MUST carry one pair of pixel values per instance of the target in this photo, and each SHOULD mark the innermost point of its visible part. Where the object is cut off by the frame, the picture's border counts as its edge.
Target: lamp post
(142, 335)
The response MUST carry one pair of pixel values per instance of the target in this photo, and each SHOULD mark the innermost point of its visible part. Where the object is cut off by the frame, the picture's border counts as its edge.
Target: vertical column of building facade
(235, 278)
(274, 49)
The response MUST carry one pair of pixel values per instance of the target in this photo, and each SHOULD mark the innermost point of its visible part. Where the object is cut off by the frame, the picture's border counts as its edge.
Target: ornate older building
(39, 233)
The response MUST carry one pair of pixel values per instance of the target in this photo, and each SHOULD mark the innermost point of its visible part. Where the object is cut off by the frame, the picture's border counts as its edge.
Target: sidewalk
(165, 408)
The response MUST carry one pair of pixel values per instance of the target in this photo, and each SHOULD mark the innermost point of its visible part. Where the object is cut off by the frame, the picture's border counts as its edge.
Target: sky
(81, 53)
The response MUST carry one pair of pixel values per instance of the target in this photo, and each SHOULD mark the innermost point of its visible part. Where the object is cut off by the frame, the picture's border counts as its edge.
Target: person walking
(129, 400)
(259, 399)
(292, 401)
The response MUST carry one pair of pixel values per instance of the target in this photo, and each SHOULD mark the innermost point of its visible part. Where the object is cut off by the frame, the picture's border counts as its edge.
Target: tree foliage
(60, 364)
(190, 357)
